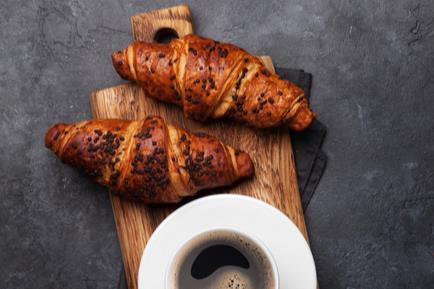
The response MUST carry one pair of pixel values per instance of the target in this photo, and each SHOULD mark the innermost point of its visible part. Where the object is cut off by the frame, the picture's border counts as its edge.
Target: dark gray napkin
(309, 158)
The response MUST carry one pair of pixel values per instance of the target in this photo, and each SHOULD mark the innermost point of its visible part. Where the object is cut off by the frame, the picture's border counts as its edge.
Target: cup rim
(249, 236)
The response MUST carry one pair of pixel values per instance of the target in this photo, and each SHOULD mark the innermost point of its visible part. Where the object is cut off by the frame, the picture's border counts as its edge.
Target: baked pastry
(209, 79)
(148, 160)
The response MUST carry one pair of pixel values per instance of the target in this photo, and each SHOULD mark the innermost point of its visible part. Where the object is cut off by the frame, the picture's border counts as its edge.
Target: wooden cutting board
(275, 180)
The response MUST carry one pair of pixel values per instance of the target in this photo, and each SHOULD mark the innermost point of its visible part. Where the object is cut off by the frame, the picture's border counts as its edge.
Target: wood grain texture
(146, 25)
(275, 179)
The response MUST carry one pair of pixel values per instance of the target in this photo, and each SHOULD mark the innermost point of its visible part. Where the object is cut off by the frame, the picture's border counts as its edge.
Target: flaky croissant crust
(148, 160)
(210, 79)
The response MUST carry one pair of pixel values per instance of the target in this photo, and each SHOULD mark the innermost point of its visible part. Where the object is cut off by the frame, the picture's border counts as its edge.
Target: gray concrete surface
(371, 219)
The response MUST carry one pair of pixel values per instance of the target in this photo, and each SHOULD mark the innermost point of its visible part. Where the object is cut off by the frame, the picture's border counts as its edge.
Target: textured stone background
(371, 219)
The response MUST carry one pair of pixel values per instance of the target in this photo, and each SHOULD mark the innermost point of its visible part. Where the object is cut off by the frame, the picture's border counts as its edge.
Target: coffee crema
(221, 259)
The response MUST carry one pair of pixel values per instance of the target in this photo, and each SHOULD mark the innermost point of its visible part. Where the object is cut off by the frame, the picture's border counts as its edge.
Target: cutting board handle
(156, 25)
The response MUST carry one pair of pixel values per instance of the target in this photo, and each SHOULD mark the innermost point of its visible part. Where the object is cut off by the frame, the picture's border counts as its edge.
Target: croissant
(210, 79)
(148, 160)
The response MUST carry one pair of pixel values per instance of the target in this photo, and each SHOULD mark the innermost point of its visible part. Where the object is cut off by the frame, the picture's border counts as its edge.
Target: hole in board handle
(165, 35)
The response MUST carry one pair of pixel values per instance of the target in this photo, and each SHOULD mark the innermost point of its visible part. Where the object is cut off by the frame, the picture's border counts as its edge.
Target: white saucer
(253, 217)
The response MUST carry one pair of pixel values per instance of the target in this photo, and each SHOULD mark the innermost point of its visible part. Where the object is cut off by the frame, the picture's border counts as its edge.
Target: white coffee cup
(249, 245)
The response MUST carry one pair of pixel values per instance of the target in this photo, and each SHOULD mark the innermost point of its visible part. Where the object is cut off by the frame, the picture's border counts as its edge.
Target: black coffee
(215, 257)
(221, 260)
